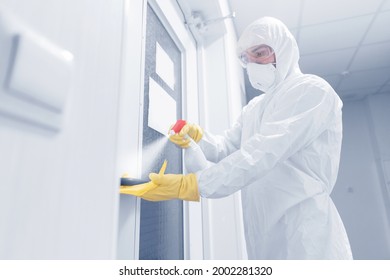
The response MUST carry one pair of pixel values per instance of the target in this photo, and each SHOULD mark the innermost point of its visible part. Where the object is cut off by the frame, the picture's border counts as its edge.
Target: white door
(155, 42)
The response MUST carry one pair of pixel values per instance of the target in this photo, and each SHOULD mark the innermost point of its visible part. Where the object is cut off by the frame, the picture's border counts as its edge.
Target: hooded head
(272, 32)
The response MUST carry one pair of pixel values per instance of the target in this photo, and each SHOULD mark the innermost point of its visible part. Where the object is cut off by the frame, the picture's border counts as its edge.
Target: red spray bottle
(194, 159)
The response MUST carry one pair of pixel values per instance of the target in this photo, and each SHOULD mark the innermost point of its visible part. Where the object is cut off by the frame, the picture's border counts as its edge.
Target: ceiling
(347, 42)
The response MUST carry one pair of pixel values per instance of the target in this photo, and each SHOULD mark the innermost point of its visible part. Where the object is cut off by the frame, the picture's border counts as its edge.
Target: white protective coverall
(283, 154)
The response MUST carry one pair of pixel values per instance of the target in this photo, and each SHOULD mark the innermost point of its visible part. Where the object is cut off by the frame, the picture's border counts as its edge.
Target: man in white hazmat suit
(282, 153)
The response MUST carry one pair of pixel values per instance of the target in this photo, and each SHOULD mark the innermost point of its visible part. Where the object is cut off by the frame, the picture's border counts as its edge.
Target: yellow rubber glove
(192, 130)
(166, 186)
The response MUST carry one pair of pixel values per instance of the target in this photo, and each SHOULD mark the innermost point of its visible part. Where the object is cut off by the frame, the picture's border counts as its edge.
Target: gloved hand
(181, 139)
(171, 186)
(166, 186)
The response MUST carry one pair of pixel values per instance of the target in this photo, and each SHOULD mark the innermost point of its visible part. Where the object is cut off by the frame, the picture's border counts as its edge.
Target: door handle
(132, 181)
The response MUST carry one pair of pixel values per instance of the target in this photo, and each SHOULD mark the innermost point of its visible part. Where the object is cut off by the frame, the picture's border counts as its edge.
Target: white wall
(360, 193)
(59, 191)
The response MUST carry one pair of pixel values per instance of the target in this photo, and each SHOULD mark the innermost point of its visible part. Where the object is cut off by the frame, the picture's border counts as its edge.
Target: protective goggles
(261, 54)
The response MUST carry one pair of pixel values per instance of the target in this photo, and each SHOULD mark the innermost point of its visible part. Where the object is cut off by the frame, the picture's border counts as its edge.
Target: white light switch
(40, 71)
(35, 75)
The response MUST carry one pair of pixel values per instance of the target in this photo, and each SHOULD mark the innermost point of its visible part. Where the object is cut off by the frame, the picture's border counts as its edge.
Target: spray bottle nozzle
(177, 126)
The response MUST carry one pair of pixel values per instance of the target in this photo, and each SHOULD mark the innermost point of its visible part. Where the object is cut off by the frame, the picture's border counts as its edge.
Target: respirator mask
(261, 76)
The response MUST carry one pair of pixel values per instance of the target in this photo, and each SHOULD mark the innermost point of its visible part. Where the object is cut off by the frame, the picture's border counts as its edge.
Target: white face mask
(261, 76)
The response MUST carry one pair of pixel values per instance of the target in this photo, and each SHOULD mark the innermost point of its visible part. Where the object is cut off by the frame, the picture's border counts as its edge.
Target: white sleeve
(295, 122)
(217, 147)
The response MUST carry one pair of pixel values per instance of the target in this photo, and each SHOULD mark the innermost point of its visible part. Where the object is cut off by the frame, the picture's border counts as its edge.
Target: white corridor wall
(361, 193)
(59, 191)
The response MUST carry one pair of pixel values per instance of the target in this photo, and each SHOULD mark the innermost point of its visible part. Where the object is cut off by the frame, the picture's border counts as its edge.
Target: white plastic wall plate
(35, 75)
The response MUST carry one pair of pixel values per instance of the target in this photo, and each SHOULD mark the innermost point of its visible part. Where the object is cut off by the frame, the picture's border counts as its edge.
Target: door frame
(131, 107)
